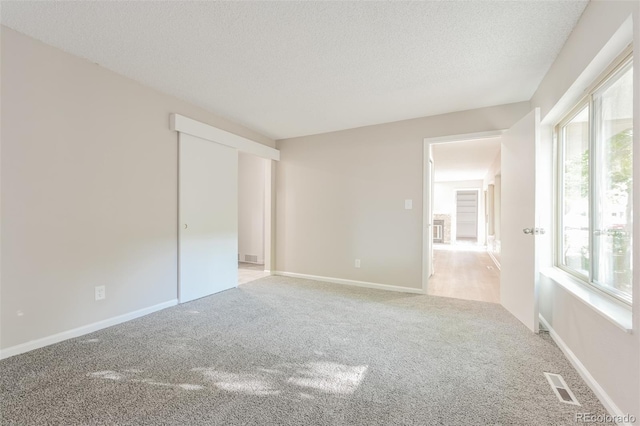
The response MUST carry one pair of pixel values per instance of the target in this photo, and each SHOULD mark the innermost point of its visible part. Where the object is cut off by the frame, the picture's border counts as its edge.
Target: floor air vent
(561, 389)
(251, 258)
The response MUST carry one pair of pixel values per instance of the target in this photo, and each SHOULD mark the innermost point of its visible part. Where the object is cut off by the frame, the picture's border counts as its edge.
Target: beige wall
(89, 191)
(251, 185)
(340, 196)
(608, 353)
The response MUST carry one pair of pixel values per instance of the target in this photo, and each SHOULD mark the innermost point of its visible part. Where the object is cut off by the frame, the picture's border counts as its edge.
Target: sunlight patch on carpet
(251, 384)
(325, 377)
(114, 375)
(107, 374)
(330, 377)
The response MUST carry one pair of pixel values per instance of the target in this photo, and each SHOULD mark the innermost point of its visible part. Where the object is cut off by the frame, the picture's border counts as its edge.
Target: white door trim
(269, 216)
(182, 124)
(426, 190)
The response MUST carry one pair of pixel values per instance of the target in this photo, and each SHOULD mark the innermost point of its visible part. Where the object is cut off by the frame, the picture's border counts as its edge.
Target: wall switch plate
(408, 204)
(357, 263)
(101, 292)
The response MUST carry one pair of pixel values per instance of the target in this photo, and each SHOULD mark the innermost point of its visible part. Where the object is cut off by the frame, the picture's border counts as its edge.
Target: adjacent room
(251, 217)
(463, 220)
(323, 213)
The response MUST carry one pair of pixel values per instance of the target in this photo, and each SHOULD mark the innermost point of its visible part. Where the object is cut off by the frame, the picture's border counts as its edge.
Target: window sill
(615, 312)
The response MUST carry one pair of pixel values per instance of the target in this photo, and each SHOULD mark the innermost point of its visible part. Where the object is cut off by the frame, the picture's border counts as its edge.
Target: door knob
(533, 231)
(185, 226)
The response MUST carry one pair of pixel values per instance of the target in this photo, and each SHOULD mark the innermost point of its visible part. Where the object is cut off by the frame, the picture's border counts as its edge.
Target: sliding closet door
(207, 217)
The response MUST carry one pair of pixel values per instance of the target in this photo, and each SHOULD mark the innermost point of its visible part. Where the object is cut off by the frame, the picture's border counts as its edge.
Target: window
(595, 185)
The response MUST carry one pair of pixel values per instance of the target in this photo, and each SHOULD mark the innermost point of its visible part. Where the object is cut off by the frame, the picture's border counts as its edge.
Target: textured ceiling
(295, 68)
(468, 160)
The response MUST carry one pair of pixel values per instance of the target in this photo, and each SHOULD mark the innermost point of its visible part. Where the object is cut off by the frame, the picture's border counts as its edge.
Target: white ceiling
(295, 68)
(468, 160)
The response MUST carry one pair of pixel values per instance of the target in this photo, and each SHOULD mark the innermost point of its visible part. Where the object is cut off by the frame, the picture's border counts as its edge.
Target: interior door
(519, 270)
(207, 218)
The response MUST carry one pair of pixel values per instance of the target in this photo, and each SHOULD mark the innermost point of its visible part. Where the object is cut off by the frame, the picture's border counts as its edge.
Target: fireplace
(438, 231)
(442, 229)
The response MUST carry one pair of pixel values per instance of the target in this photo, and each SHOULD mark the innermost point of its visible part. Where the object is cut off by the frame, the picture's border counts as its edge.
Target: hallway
(248, 272)
(465, 273)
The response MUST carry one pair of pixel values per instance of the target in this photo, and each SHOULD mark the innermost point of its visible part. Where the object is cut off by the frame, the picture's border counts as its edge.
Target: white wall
(492, 172)
(608, 353)
(251, 214)
(89, 191)
(340, 196)
(444, 202)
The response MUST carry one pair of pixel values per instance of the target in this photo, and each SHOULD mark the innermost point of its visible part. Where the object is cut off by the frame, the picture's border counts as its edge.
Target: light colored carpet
(283, 351)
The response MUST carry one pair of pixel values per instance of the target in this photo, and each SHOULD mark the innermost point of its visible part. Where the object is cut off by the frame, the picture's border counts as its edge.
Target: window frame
(616, 69)
(560, 151)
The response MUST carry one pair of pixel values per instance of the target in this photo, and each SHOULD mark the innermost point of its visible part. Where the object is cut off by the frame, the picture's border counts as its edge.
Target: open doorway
(252, 210)
(460, 219)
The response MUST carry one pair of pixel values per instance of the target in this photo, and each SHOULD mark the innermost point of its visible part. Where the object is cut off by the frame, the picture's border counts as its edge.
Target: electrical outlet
(357, 263)
(101, 292)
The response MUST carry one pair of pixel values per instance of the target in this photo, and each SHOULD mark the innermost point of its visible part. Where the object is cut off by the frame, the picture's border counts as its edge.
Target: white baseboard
(85, 329)
(604, 398)
(494, 259)
(350, 282)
